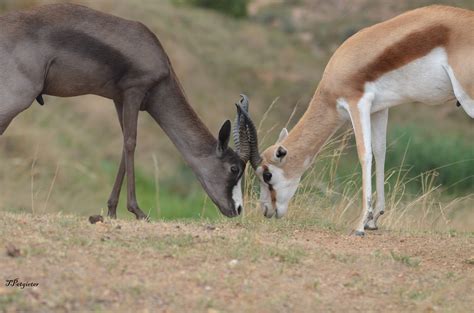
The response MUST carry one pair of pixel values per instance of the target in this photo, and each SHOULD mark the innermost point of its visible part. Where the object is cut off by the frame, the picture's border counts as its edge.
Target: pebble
(96, 218)
(233, 263)
(12, 251)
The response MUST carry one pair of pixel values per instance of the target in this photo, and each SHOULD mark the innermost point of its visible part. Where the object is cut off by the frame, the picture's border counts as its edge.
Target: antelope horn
(244, 103)
(255, 158)
(240, 134)
(244, 149)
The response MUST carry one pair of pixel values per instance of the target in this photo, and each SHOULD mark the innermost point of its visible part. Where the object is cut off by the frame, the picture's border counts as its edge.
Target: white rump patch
(466, 102)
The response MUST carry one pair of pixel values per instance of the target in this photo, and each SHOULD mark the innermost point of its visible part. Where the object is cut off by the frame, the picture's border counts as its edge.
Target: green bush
(235, 8)
(450, 155)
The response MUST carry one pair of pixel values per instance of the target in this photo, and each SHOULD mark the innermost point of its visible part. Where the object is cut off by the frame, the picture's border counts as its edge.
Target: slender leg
(115, 194)
(131, 108)
(360, 116)
(3, 127)
(379, 146)
(10, 107)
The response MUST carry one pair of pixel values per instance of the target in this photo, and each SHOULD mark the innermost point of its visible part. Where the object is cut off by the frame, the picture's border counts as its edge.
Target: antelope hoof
(370, 225)
(139, 214)
(142, 217)
(359, 233)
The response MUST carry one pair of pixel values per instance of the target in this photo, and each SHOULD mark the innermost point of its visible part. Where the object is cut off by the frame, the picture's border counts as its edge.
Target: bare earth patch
(228, 266)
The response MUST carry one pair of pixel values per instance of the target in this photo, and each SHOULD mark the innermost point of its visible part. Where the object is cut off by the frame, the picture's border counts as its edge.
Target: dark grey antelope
(68, 50)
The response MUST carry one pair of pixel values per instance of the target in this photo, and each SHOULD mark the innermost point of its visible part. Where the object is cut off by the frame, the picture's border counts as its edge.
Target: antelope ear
(280, 153)
(283, 135)
(224, 136)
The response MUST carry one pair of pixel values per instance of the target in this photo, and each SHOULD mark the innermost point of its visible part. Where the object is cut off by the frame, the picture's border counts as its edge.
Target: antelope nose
(267, 176)
(238, 210)
(267, 211)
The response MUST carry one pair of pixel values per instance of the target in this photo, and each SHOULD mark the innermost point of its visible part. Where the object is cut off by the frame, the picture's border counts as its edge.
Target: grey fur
(70, 50)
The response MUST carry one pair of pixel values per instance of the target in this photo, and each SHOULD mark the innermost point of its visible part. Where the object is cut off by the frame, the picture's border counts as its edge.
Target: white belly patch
(423, 80)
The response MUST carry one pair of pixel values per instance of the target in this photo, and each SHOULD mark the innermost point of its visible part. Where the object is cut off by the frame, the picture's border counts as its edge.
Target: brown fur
(304, 142)
(368, 55)
(389, 45)
(412, 47)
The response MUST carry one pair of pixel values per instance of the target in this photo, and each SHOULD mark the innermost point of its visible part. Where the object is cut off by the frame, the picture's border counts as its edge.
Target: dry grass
(331, 199)
(247, 265)
(420, 260)
(81, 136)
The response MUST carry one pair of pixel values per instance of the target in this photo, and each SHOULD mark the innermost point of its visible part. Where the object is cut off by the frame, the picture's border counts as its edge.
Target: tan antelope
(425, 55)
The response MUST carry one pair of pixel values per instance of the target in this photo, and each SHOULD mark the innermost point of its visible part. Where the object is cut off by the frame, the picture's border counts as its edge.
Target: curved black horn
(244, 102)
(244, 148)
(240, 133)
(239, 121)
(255, 158)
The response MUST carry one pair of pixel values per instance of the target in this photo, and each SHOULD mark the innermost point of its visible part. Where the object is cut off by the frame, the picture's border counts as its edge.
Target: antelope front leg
(379, 146)
(131, 108)
(360, 117)
(115, 194)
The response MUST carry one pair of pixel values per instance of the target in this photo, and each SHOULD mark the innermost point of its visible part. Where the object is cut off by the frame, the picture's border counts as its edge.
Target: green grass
(244, 265)
(174, 199)
(449, 155)
(71, 147)
(405, 259)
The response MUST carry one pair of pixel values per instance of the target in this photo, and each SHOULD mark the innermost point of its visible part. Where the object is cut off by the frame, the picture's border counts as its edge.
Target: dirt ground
(228, 266)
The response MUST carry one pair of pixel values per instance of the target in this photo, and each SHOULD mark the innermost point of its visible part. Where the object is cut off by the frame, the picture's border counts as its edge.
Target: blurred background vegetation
(63, 157)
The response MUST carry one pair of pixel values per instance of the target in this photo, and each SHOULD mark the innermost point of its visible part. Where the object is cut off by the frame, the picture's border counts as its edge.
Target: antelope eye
(234, 169)
(267, 176)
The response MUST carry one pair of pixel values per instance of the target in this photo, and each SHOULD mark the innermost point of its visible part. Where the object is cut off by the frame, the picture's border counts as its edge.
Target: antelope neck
(317, 125)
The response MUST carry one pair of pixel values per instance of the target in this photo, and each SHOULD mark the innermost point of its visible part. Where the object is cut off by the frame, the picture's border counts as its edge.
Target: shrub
(450, 155)
(235, 8)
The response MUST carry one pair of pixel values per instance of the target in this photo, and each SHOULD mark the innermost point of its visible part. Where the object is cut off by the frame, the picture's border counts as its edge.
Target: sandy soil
(228, 266)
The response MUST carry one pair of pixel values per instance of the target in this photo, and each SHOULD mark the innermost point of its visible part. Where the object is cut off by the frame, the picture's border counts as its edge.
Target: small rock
(470, 261)
(208, 288)
(210, 227)
(5, 291)
(95, 219)
(118, 227)
(13, 251)
(233, 263)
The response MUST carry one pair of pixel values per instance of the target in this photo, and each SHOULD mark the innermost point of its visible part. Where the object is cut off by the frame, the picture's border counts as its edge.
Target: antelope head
(274, 169)
(224, 181)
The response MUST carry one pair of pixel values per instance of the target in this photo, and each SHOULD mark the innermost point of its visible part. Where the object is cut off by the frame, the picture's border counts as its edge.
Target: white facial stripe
(284, 189)
(277, 175)
(237, 194)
